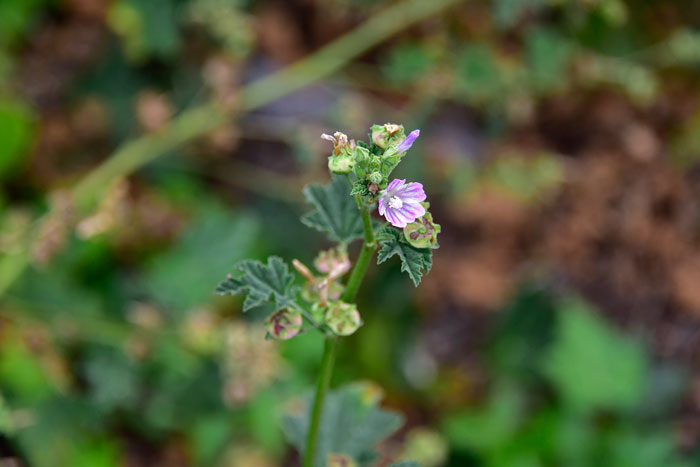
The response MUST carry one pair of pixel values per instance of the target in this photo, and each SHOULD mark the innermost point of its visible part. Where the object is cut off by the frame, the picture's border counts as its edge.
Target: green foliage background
(114, 349)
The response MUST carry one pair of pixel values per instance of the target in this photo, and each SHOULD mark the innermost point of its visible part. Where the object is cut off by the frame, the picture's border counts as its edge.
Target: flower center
(395, 202)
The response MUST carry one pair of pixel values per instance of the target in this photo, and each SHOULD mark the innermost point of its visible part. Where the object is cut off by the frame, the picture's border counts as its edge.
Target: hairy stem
(324, 379)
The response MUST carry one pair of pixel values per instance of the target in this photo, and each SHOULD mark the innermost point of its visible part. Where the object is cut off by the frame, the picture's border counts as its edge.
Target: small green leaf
(260, 283)
(413, 260)
(335, 213)
(592, 366)
(407, 63)
(489, 427)
(16, 130)
(478, 76)
(202, 255)
(351, 424)
(7, 425)
(549, 55)
(507, 12)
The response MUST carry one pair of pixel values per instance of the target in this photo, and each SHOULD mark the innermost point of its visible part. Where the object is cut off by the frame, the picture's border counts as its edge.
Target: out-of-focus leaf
(336, 212)
(407, 63)
(508, 12)
(263, 416)
(548, 55)
(226, 21)
(63, 427)
(486, 428)
(414, 261)
(525, 179)
(524, 332)
(405, 464)
(95, 453)
(16, 131)
(21, 373)
(633, 448)
(148, 28)
(182, 278)
(478, 74)
(637, 80)
(208, 436)
(351, 424)
(593, 366)
(112, 379)
(261, 283)
(15, 18)
(6, 423)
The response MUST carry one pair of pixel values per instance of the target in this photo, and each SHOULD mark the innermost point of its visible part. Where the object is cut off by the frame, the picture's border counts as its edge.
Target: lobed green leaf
(414, 261)
(260, 283)
(351, 424)
(335, 213)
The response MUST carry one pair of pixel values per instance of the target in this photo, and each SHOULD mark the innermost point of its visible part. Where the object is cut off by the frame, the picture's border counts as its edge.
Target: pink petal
(413, 211)
(395, 184)
(412, 192)
(406, 144)
(396, 220)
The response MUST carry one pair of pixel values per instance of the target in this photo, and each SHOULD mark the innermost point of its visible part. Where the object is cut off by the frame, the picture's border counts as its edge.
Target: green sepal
(414, 261)
(336, 212)
(423, 232)
(361, 187)
(261, 283)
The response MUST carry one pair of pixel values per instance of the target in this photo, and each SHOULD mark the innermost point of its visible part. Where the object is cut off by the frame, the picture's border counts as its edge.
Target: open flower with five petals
(400, 203)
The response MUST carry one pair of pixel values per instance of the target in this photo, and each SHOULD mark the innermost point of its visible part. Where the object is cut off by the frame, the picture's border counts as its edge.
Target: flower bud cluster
(371, 163)
(402, 204)
(323, 292)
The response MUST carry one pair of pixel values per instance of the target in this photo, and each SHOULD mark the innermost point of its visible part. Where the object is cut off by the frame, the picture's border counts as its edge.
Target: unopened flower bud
(379, 136)
(392, 128)
(284, 324)
(343, 318)
(423, 232)
(339, 140)
(334, 261)
(376, 178)
(341, 164)
(406, 144)
(318, 312)
(387, 135)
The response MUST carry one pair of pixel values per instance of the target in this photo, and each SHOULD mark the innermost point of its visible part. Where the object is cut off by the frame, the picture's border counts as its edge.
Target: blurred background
(148, 145)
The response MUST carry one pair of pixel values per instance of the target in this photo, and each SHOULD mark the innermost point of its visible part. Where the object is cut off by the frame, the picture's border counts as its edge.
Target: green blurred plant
(568, 390)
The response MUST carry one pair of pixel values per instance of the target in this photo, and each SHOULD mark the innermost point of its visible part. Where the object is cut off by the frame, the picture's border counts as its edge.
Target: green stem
(358, 273)
(324, 379)
(362, 263)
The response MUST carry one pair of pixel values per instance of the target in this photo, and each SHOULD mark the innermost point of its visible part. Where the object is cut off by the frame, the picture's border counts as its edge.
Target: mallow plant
(343, 427)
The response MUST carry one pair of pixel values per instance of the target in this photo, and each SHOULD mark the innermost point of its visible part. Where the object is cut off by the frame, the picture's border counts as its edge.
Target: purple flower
(400, 202)
(406, 144)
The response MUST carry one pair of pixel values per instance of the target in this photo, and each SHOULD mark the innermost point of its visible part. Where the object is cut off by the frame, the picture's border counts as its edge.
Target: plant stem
(358, 273)
(368, 247)
(324, 379)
